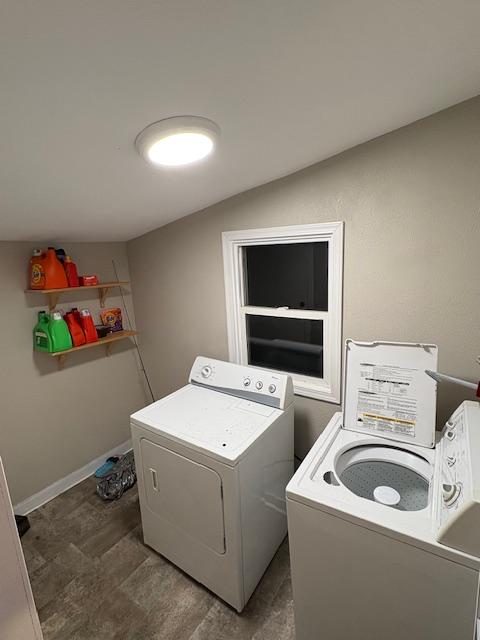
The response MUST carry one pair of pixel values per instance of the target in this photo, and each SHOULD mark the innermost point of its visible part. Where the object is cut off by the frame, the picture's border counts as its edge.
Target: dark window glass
(287, 275)
(286, 344)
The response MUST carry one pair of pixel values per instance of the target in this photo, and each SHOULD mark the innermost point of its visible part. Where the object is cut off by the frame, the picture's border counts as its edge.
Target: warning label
(387, 399)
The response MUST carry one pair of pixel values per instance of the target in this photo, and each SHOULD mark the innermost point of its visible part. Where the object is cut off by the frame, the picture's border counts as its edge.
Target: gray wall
(410, 200)
(54, 422)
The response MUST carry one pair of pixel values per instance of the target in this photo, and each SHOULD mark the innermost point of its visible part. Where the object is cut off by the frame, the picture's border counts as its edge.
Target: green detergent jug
(42, 340)
(58, 329)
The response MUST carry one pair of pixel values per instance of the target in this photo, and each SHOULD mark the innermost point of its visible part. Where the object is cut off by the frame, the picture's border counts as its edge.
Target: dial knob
(450, 493)
(246, 382)
(272, 388)
(206, 371)
(259, 385)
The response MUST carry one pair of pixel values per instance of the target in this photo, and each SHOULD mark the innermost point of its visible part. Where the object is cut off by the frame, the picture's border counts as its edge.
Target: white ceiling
(290, 82)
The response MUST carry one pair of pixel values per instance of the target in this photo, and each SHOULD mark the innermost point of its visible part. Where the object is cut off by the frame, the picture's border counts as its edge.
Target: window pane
(287, 275)
(287, 344)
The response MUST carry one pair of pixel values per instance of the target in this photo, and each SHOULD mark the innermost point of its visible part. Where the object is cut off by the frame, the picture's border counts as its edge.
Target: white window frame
(327, 388)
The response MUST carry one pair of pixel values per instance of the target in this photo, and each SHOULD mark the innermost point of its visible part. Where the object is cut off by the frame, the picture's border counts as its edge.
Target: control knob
(246, 382)
(450, 493)
(206, 371)
(259, 385)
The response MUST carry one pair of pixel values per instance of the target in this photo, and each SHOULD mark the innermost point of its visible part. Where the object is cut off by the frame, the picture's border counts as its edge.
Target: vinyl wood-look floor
(93, 579)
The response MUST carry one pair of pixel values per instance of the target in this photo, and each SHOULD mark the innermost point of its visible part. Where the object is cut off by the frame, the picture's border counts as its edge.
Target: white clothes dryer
(213, 460)
(384, 527)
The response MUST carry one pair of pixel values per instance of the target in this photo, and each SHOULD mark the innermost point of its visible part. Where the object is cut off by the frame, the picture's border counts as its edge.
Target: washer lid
(388, 393)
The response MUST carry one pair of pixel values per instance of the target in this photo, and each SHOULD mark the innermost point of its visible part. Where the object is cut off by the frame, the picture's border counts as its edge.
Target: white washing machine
(384, 526)
(213, 460)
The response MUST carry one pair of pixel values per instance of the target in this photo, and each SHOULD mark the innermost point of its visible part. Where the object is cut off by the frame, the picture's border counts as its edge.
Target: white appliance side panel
(219, 572)
(458, 519)
(387, 392)
(264, 474)
(186, 493)
(350, 582)
(18, 615)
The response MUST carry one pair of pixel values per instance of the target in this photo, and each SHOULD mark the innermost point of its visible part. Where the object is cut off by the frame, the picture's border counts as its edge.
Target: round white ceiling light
(174, 142)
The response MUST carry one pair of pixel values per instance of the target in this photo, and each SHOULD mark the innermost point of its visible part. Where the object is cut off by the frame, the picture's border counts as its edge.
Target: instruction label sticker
(387, 399)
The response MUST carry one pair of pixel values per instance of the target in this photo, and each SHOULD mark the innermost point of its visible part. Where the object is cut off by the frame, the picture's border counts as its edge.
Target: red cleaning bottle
(55, 277)
(71, 272)
(86, 322)
(76, 331)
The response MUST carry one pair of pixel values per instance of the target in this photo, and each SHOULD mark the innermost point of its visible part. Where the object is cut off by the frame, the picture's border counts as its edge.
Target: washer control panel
(257, 385)
(454, 464)
(457, 489)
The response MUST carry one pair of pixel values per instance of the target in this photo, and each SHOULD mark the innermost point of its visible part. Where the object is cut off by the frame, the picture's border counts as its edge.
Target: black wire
(134, 338)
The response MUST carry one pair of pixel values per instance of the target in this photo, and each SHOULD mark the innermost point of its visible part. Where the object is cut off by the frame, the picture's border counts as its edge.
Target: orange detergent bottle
(76, 313)
(37, 270)
(55, 277)
(86, 322)
(76, 331)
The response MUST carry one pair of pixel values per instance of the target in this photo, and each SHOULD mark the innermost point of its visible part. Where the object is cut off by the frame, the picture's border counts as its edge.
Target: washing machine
(213, 460)
(383, 513)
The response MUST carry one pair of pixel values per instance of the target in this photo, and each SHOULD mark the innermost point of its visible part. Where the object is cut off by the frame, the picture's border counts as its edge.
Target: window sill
(315, 391)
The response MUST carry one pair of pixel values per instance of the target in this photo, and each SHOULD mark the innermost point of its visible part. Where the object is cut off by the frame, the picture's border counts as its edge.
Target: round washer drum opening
(362, 478)
(366, 468)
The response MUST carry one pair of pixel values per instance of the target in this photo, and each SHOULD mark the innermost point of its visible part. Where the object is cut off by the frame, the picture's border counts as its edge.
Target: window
(284, 303)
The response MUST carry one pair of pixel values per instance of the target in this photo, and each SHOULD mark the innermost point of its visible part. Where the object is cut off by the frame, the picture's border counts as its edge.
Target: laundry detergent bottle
(71, 272)
(42, 340)
(86, 322)
(76, 331)
(55, 276)
(76, 313)
(59, 332)
(37, 270)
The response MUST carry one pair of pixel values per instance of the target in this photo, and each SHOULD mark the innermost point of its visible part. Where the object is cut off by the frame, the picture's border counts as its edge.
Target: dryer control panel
(257, 385)
(457, 489)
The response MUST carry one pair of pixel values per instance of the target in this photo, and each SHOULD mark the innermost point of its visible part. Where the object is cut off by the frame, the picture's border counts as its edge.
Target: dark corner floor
(93, 579)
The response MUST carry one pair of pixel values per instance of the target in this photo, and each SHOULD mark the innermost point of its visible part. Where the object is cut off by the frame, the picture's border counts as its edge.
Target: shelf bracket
(61, 361)
(102, 294)
(53, 300)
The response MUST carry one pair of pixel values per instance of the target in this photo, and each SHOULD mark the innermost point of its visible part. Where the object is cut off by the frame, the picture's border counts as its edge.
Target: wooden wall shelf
(103, 289)
(61, 356)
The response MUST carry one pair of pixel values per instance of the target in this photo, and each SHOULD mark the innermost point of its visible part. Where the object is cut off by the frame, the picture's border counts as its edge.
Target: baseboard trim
(45, 495)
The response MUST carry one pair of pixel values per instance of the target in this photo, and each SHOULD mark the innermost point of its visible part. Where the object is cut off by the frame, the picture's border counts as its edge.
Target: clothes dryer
(213, 460)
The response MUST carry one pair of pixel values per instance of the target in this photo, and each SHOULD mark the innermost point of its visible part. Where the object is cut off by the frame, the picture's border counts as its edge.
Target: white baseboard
(45, 495)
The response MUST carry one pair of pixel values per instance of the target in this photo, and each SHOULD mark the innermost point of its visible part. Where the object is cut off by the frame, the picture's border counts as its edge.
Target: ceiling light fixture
(177, 141)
